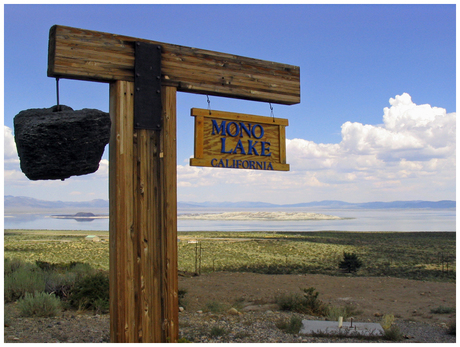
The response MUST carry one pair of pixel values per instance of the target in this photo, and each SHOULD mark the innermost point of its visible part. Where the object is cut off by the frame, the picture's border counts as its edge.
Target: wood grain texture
(238, 116)
(168, 183)
(148, 300)
(121, 222)
(143, 222)
(239, 151)
(233, 164)
(96, 56)
(199, 136)
(282, 141)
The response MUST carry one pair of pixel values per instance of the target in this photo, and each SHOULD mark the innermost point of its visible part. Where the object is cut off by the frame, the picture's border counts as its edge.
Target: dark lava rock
(57, 144)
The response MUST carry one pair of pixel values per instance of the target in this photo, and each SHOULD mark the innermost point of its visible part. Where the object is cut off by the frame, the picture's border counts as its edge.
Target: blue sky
(378, 95)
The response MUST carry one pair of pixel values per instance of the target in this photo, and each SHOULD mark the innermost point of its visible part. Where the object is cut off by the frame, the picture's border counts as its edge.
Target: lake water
(363, 220)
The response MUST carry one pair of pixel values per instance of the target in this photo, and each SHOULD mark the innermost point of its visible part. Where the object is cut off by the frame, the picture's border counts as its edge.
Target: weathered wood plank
(282, 140)
(231, 74)
(95, 56)
(147, 302)
(121, 222)
(238, 116)
(233, 165)
(199, 136)
(168, 181)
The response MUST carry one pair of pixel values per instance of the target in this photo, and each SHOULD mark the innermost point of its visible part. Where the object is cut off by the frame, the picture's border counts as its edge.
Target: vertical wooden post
(121, 223)
(143, 222)
(169, 220)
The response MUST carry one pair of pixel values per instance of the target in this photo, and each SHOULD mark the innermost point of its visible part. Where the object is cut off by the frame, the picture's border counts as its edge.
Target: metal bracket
(147, 86)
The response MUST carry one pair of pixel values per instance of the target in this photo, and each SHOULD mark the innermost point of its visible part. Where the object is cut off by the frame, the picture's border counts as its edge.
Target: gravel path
(255, 327)
(248, 327)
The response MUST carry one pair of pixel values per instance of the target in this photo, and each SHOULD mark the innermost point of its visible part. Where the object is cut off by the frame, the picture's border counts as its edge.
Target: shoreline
(262, 216)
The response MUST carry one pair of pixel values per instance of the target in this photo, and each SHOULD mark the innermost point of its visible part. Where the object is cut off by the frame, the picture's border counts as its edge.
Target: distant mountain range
(14, 202)
(325, 204)
(24, 204)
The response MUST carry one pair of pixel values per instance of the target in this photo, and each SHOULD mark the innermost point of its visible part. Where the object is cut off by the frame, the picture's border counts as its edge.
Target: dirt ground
(408, 300)
(374, 296)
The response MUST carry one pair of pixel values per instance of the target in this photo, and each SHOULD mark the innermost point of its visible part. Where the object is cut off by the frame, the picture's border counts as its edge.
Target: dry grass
(413, 255)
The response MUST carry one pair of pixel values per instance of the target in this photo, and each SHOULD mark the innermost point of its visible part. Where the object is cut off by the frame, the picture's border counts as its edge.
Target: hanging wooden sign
(239, 141)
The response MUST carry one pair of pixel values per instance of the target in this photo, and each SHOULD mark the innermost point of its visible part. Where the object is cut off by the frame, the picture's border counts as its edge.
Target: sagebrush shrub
(217, 331)
(312, 303)
(290, 302)
(393, 334)
(39, 305)
(291, 326)
(76, 267)
(308, 303)
(215, 306)
(91, 292)
(60, 284)
(44, 265)
(82, 269)
(443, 310)
(11, 265)
(24, 279)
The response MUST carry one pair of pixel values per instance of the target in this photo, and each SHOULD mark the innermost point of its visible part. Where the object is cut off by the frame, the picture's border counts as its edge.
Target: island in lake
(266, 216)
(80, 216)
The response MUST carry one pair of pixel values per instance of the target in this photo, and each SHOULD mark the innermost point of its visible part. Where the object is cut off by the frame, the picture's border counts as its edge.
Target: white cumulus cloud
(414, 147)
(16, 183)
(411, 155)
(9, 149)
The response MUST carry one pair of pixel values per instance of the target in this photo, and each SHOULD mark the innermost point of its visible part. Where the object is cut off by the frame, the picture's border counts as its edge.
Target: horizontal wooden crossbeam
(97, 56)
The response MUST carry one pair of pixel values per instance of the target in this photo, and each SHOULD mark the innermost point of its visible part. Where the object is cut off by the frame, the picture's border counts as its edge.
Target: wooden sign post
(142, 168)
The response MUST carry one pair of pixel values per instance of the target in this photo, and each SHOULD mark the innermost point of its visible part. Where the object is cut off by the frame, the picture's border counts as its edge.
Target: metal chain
(272, 114)
(58, 108)
(209, 104)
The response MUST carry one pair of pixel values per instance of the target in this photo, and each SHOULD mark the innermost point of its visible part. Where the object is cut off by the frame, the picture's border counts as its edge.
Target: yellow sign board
(239, 141)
